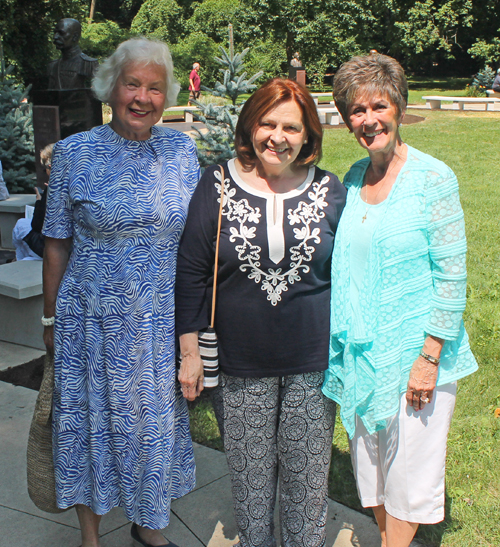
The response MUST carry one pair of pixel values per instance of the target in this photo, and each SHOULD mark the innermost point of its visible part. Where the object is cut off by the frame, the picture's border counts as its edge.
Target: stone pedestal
(59, 113)
(297, 73)
(11, 210)
(21, 302)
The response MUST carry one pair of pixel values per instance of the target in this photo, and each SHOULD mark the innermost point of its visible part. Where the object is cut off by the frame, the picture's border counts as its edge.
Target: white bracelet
(48, 321)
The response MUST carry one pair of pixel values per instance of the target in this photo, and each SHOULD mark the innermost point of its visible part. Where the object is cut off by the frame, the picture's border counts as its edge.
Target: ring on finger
(425, 400)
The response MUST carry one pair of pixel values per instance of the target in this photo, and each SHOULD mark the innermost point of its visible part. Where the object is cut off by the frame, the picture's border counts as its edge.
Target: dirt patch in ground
(28, 375)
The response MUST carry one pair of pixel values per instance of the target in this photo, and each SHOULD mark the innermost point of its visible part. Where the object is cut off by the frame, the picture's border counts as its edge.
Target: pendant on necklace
(363, 218)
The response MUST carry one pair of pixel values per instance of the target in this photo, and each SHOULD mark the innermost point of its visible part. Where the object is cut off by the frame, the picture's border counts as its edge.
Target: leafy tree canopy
(213, 16)
(161, 19)
(195, 47)
(100, 39)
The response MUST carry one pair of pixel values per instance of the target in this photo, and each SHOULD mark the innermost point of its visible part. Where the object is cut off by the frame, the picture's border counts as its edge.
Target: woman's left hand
(424, 374)
(423, 378)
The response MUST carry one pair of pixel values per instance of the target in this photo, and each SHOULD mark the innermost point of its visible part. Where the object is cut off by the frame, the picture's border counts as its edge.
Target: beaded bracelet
(430, 358)
(48, 321)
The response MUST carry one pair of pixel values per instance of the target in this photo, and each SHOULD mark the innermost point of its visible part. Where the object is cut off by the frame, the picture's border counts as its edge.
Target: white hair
(196, 65)
(136, 50)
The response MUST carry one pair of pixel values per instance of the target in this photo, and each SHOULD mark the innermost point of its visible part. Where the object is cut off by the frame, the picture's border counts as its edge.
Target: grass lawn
(183, 97)
(418, 86)
(468, 142)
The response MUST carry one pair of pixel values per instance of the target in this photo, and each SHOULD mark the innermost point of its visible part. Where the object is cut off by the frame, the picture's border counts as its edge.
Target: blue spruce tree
(17, 148)
(217, 144)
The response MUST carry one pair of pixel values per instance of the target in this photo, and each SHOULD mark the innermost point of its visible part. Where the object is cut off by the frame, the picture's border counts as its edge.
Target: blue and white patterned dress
(121, 429)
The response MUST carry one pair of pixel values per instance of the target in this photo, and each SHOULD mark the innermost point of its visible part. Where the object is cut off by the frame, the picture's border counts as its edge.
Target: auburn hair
(266, 98)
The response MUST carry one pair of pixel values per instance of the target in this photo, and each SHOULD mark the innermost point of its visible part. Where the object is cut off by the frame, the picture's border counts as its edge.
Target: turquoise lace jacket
(414, 284)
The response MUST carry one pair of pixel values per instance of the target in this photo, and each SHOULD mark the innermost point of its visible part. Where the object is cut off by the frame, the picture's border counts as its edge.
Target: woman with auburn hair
(279, 218)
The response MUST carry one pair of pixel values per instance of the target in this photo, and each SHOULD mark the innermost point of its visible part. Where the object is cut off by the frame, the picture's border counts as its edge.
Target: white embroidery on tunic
(275, 281)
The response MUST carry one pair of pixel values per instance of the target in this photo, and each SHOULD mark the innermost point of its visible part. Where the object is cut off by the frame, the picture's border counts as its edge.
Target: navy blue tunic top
(273, 290)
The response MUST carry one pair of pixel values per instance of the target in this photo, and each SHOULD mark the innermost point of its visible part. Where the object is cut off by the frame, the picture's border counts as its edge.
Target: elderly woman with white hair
(118, 199)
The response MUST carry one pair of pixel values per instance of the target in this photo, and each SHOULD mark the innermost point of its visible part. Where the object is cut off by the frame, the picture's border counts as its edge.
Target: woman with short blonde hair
(397, 342)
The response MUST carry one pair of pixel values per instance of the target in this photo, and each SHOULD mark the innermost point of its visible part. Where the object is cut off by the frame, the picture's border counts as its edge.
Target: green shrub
(17, 148)
(160, 19)
(268, 56)
(100, 39)
(482, 81)
(195, 48)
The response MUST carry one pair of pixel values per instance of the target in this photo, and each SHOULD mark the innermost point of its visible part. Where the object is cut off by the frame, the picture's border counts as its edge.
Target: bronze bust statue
(74, 70)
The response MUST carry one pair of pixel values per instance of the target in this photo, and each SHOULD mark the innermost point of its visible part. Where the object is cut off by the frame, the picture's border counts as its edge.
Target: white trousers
(403, 466)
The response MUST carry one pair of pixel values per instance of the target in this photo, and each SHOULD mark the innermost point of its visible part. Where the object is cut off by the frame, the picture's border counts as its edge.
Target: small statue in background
(74, 70)
(296, 62)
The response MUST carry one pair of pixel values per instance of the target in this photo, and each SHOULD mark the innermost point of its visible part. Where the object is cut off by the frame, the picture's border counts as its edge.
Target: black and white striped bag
(209, 353)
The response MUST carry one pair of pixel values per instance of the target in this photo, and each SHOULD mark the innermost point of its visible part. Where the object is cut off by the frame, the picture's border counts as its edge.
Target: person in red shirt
(194, 83)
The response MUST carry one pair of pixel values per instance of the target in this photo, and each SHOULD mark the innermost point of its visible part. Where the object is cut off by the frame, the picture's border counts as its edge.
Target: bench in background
(434, 101)
(187, 112)
(21, 302)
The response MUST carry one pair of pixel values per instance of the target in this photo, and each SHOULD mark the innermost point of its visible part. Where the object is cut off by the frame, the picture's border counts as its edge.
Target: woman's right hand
(191, 371)
(48, 339)
(55, 259)
(191, 376)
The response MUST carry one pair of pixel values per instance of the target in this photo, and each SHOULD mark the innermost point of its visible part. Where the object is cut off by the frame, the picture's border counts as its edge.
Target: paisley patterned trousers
(277, 428)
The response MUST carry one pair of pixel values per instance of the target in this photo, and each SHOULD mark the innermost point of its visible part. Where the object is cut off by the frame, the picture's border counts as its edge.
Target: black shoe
(134, 532)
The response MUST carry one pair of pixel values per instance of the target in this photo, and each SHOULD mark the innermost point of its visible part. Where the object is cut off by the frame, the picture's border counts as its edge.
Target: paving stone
(210, 465)
(176, 531)
(12, 355)
(202, 518)
(23, 530)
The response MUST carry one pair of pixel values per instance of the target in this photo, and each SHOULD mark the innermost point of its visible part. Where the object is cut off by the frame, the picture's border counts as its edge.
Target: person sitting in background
(27, 236)
(4, 193)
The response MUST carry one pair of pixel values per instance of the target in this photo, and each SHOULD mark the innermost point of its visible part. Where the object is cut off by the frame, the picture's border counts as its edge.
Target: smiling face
(278, 138)
(138, 100)
(374, 121)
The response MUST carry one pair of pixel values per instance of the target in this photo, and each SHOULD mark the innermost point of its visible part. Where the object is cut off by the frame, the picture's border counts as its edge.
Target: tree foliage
(217, 144)
(488, 52)
(212, 17)
(196, 47)
(160, 19)
(17, 149)
(430, 28)
(457, 36)
(100, 39)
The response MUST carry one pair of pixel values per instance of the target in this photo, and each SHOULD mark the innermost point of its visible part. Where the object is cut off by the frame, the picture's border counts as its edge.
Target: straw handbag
(41, 480)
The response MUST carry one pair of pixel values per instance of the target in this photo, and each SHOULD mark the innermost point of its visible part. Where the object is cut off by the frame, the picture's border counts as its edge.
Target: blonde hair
(373, 74)
(46, 155)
